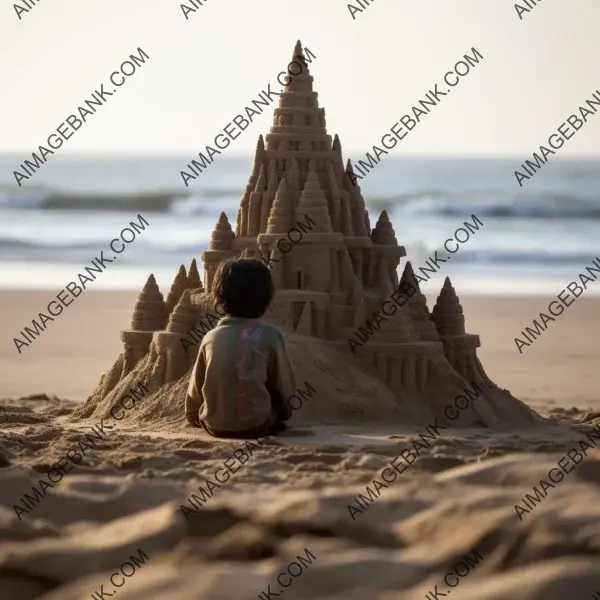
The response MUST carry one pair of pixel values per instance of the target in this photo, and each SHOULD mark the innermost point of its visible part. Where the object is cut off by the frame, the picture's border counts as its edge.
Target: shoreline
(32, 276)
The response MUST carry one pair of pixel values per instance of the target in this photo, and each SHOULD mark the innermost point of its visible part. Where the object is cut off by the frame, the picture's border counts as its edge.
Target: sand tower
(168, 343)
(178, 286)
(193, 279)
(384, 277)
(301, 214)
(219, 249)
(460, 347)
(149, 315)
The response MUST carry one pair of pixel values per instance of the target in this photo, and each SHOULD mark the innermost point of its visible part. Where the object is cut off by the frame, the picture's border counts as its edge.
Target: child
(242, 374)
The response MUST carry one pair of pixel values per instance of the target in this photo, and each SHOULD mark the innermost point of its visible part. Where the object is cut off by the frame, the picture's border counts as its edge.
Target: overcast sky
(368, 71)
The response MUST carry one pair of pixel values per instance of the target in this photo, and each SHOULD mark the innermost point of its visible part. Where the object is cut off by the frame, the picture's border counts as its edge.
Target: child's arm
(280, 374)
(194, 399)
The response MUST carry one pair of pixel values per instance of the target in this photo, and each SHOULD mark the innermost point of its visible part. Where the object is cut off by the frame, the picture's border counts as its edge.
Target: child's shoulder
(215, 332)
(270, 332)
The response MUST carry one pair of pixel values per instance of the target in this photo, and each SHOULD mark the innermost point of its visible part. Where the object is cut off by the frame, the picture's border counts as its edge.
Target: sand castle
(301, 214)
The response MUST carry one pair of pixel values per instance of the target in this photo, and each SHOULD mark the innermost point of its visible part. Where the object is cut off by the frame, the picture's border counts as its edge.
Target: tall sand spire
(150, 312)
(281, 216)
(384, 233)
(259, 161)
(252, 222)
(184, 315)
(222, 235)
(408, 277)
(301, 80)
(193, 278)
(356, 201)
(177, 288)
(338, 163)
(447, 312)
(298, 121)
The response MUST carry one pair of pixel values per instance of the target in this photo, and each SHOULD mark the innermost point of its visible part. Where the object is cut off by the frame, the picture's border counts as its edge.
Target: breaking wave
(490, 203)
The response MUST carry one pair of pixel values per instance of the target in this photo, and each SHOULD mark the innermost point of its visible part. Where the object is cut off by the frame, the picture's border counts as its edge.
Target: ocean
(534, 239)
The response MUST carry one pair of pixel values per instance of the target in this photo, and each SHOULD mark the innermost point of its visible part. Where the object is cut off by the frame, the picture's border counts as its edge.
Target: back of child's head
(244, 287)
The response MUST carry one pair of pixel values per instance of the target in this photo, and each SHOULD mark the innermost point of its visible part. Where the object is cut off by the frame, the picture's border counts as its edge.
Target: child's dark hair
(243, 287)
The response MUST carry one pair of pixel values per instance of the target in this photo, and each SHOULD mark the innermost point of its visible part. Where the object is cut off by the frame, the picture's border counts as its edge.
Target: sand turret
(220, 248)
(298, 121)
(281, 216)
(384, 233)
(447, 312)
(178, 286)
(343, 220)
(460, 347)
(170, 346)
(183, 317)
(273, 179)
(242, 216)
(386, 256)
(193, 279)
(254, 208)
(338, 161)
(357, 203)
(358, 240)
(408, 278)
(222, 235)
(149, 315)
(268, 198)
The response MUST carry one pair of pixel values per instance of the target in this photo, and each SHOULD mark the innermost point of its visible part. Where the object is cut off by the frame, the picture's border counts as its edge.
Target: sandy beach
(449, 518)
